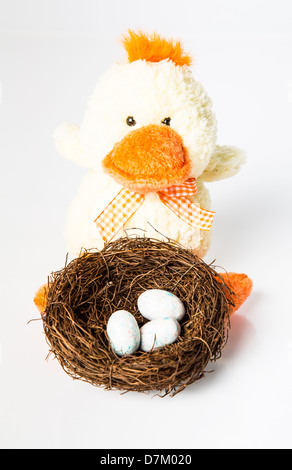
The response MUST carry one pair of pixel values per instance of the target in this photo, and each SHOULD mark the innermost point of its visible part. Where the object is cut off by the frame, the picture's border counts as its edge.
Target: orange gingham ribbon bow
(127, 202)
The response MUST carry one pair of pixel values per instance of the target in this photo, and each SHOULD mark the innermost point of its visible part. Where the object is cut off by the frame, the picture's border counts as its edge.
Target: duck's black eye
(166, 121)
(130, 121)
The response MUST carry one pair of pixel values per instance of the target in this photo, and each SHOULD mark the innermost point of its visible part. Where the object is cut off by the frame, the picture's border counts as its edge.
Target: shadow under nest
(82, 296)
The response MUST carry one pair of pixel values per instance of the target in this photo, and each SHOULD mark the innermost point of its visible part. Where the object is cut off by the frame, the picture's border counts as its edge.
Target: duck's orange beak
(149, 159)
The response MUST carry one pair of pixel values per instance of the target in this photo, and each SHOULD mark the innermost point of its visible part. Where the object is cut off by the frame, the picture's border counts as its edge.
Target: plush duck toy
(149, 139)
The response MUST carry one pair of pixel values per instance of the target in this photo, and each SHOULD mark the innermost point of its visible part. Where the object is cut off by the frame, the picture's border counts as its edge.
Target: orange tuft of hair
(154, 48)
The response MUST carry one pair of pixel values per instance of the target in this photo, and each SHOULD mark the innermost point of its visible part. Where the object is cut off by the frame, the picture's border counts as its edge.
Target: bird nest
(82, 296)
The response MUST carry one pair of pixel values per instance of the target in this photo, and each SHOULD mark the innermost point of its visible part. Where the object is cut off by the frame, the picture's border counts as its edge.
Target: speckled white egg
(158, 333)
(159, 303)
(123, 332)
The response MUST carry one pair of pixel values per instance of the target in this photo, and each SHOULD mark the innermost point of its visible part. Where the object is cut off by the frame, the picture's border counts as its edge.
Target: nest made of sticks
(82, 296)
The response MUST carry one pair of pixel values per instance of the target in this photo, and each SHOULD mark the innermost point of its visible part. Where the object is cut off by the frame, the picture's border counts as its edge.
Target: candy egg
(158, 303)
(157, 333)
(123, 332)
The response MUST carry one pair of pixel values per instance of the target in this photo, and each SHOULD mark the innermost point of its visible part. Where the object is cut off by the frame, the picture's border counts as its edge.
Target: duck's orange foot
(40, 298)
(241, 285)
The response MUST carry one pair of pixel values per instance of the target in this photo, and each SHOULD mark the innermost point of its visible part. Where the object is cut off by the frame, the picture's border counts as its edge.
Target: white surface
(51, 54)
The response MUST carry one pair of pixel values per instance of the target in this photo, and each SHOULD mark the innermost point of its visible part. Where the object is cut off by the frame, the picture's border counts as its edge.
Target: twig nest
(84, 294)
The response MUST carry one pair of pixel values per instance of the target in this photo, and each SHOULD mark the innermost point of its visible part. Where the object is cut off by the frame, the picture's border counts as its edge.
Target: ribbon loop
(189, 212)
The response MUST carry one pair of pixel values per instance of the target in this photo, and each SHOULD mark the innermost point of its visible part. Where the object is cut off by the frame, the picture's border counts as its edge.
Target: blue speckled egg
(158, 333)
(158, 303)
(123, 332)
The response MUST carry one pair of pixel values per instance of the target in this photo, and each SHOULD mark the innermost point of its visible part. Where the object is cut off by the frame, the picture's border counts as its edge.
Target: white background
(51, 55)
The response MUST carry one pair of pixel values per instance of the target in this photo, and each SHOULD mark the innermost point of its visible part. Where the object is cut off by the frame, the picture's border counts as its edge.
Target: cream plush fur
(149, 91)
